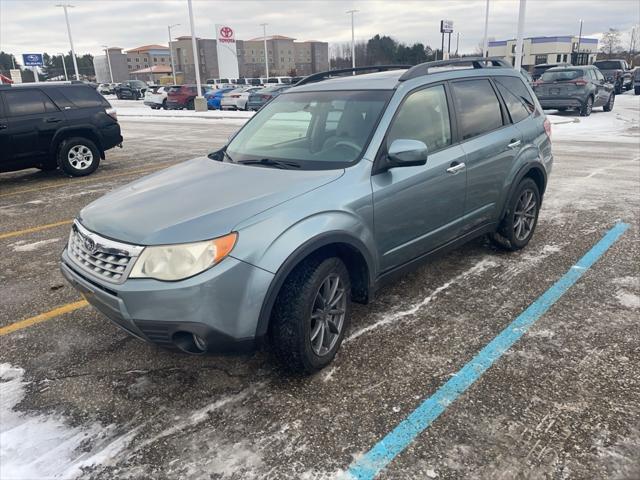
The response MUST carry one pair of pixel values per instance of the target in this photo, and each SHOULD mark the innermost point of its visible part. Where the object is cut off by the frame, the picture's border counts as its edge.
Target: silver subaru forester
(327, 192)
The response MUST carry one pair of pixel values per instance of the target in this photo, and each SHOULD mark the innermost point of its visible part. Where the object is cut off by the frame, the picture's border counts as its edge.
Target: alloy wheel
(80, 157)
(524, 216)
(327, 315)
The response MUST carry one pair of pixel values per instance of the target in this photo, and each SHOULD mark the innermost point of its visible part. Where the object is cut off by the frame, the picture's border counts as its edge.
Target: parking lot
(82, 398)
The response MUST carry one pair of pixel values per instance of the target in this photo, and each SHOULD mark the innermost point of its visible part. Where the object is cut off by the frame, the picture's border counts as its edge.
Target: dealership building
(537, 50)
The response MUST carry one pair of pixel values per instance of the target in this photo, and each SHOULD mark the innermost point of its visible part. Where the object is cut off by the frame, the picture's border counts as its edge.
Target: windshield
(607, 65)
(318, 130)
(561, 75)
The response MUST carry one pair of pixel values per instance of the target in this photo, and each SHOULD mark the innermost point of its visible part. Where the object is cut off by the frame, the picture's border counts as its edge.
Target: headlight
(176, 262)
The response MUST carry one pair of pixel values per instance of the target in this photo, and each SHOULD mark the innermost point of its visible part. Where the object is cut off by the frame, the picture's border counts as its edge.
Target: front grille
(102, 258)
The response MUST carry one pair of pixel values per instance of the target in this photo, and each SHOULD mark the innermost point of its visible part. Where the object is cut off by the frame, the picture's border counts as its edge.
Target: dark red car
(182, 96)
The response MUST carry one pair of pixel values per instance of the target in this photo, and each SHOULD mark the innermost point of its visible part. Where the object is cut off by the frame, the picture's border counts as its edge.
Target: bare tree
(610, 42)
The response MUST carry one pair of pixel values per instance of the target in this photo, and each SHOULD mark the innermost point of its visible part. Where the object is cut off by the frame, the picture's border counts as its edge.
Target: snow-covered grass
(621, 125)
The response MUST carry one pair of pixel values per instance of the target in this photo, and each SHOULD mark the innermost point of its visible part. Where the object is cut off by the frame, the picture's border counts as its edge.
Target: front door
(419, 208)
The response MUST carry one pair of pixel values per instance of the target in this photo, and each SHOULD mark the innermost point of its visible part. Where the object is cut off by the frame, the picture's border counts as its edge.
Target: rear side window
(516, 97)
(27, 102)
(83, 97)
(477, 107)
(561, 75)
(423, 116)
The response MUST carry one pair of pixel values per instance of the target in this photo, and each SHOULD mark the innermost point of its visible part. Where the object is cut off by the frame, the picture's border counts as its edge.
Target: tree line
(52, 69)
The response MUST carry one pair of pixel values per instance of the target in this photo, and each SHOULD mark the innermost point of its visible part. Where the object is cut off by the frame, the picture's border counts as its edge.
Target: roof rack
(476, 62)
(43, 84)
(317, 77)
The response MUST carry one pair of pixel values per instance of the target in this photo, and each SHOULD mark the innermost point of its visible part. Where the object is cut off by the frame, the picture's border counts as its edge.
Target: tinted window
(516, 96)
(477, 107)
(27, 102)
(608, 65)
(561, 75)
(83, 97)
(424, 116)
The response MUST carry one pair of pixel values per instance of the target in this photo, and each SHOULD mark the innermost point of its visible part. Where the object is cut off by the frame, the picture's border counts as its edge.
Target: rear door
(490, 143)
(33, 120)
(6, 154)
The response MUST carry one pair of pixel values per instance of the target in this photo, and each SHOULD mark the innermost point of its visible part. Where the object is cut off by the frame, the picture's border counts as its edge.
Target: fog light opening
(190, 342)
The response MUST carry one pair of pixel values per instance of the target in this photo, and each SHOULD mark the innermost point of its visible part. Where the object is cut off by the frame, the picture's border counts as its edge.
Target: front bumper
(221, 305)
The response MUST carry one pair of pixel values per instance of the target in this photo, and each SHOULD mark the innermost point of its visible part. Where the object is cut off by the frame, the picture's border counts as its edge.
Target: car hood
(195, 200)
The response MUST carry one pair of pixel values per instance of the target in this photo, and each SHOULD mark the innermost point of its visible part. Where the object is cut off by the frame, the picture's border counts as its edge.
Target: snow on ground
(622, 124)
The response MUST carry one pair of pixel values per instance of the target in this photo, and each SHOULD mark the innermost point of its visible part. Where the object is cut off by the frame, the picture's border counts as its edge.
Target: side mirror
(407, 153)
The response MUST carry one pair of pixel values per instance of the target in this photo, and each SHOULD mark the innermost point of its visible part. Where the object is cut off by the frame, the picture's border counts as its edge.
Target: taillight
(579, 82)
(547, 127)
(112, 113)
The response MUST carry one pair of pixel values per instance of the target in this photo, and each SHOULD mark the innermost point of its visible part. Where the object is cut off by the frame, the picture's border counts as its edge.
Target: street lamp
(521, 14)
(353, 41)
(266, 54)
(200, 104)
(485, 42)
(173, 67)
(64, 66)
(578, 58)
(106, 52)
(73, 52)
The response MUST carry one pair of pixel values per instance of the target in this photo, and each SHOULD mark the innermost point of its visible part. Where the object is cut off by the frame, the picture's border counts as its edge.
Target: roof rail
(43, 84)
(476, 62)
(317, 77)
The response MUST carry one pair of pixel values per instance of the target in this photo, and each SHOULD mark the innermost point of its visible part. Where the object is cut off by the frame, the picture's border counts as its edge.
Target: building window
(155, 59)
(137, 59)
(513, 48)
(558, 58)
(129, 67)
(162, 59)
(146, 60)
(129, 60)
(564, 57)
(540, 59)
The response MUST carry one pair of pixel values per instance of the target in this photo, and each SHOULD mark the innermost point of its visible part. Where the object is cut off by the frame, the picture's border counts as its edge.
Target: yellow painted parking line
(17, 233)
(43, 317)
(85, 180)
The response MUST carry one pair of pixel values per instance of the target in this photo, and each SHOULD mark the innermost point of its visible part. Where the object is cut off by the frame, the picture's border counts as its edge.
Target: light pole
(521, 13)
(485, 42)
(266, 54)
(106, 52)
(64, 66)
(173, 67)
(73, 52)
(200, 104)
(353, 41)
(578, 60)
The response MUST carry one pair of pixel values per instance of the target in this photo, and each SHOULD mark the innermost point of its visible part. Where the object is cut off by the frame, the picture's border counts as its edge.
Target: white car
(237, 99)
(156, 97)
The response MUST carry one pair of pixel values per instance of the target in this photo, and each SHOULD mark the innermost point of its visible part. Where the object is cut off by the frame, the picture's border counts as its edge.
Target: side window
(599, 75)
(27, 102)
(516, 96)
(477, 107)
(83, 97)
(424, 116)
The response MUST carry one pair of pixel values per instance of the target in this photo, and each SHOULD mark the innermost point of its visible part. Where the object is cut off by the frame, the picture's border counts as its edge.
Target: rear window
(27, 102)
(83, 97)
(516, 96)
(608, 65)
(477, 107)
(561, 75)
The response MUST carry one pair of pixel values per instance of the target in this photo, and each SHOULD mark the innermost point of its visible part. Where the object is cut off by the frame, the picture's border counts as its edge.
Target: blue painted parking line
(383, 452)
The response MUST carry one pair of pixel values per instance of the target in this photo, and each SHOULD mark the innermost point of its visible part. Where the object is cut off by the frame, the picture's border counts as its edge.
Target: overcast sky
(33, 26)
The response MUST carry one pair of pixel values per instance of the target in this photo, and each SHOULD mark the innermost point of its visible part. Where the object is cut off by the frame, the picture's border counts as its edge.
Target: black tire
(191, 105)
(83, 167)
(562, 109)
(618, 89)
(291, 320)
(506, 237)
(587, 107)
(164, 104)
(118, 96)
(636, 90)
(607, 107)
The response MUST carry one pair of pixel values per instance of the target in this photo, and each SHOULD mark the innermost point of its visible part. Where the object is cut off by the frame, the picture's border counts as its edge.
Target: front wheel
(521, 217)
(607, 107)
(311, 315)
(78, 156)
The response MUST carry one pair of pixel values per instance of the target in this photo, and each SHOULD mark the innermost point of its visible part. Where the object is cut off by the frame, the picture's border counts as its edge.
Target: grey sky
(32, 26)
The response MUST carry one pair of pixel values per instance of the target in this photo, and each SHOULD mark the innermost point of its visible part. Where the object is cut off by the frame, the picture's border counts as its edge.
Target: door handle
(514, 143)
(53, 120)
(456, 168)
(3, 126)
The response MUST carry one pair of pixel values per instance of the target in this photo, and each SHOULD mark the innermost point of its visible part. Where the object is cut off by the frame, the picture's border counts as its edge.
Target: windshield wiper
(269, 162)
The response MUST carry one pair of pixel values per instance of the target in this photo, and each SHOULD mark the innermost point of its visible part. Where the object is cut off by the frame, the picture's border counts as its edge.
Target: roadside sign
(16, 75)
(446, 26)
(32, 59)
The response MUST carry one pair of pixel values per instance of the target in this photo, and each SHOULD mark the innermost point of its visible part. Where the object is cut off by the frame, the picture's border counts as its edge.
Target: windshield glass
(314, 129)
(607, 65)
(561, 75)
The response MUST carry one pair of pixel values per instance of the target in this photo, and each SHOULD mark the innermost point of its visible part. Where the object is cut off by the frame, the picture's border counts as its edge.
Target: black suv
(131, 90)
(66, 125)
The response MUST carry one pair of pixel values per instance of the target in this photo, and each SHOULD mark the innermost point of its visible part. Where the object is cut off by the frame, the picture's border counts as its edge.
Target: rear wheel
(78, 156)
(562, 109)
(607, 107)
(164, 104)
(311, 315)
(636, 90)
(521, 217)
(587, 107)
(190, 105)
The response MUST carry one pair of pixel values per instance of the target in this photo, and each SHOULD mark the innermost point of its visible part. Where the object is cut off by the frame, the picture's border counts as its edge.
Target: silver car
(331, 190)
(237, 99)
